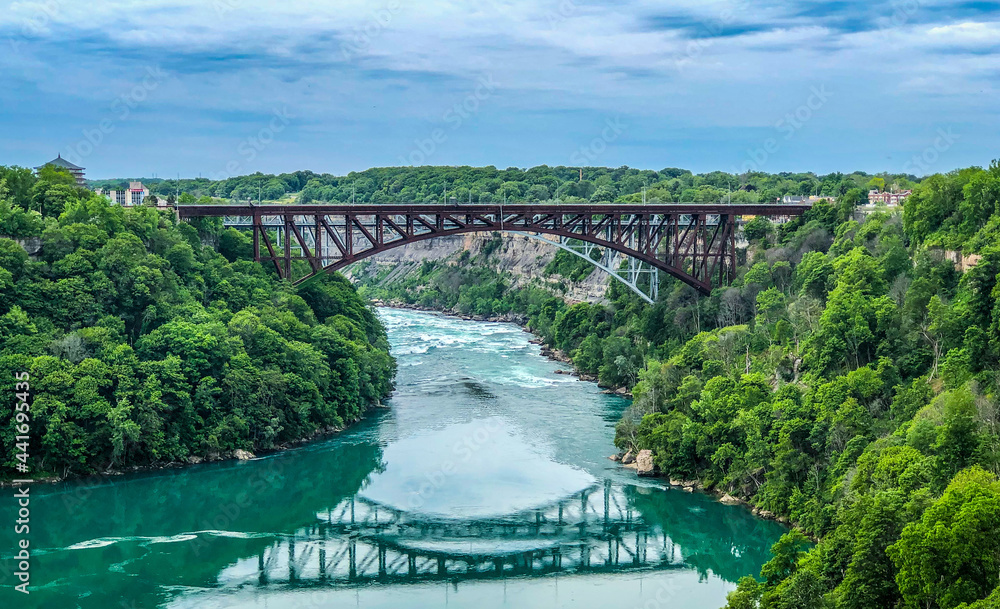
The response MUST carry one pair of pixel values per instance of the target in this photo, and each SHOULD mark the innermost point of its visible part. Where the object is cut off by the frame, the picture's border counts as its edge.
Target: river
(485, 483)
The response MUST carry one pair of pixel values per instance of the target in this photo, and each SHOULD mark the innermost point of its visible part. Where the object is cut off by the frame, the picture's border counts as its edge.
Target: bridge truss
(362, 542)
(694, 243)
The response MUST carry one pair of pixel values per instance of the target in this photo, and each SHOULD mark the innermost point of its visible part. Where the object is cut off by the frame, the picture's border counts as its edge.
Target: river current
(484, 483)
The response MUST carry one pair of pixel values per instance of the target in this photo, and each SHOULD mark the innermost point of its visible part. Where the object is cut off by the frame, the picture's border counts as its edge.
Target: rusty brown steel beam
(756, 209)
(695, 252)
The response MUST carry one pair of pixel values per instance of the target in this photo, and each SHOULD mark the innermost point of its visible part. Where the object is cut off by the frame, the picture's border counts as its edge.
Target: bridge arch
(694, 243)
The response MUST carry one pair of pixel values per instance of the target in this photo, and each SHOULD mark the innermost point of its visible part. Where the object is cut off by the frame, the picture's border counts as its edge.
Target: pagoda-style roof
(61, 162)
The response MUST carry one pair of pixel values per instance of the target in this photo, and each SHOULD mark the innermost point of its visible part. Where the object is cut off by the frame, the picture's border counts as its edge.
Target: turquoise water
(485, 483)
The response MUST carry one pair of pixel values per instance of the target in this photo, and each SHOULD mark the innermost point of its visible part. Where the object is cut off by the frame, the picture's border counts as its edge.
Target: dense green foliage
(845, 382)
(144, 345)
(543, 183)
(570, 266)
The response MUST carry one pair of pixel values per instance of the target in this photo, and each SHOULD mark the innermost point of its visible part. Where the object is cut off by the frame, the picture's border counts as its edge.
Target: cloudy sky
(228, 87)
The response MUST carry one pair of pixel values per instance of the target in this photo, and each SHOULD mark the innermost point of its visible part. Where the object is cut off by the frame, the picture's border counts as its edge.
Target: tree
(952, 554)
(758, 229)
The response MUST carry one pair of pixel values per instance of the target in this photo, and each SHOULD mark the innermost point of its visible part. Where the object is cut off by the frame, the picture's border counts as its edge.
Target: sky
(230, 87)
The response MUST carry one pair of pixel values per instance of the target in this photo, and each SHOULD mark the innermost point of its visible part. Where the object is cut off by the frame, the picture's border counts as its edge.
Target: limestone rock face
(243, 455)
(644, 463)
(524, 258)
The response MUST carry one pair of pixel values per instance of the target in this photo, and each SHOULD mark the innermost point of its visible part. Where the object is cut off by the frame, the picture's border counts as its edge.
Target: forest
(514, 185)
(149, 341)
(845, 383)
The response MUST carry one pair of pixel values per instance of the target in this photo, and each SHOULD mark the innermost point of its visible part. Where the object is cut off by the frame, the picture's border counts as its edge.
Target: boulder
(628, 458)
(644, 463)
(615, 457)
(243, 455)
(729, 499)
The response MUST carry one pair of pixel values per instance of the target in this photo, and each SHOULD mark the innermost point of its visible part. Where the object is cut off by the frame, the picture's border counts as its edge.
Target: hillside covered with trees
(846, 382)
(144, 345)
(543, 183)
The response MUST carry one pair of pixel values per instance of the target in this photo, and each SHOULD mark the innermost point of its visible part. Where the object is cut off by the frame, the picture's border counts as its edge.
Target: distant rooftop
(61, 162)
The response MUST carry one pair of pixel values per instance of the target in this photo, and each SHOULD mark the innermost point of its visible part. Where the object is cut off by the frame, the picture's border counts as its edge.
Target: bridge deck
(194, 211)
(693, 242)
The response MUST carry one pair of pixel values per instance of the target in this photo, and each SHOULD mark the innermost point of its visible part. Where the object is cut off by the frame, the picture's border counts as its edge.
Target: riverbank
(690, 486)
(213, 457)
(644, 467)
(548, 352)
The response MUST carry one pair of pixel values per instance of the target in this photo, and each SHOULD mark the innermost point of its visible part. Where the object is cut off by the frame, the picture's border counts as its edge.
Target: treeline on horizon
(149, 340)
(845, 382)
(543, 183)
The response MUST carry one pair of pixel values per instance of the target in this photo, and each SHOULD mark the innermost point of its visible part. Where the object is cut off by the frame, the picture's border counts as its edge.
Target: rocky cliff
(522, 258)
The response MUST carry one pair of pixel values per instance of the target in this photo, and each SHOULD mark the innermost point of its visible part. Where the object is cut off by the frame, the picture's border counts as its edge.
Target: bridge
(362, 542)
(696, 243)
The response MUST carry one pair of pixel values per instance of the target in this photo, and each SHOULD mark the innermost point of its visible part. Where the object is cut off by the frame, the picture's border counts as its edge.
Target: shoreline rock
(644, 465)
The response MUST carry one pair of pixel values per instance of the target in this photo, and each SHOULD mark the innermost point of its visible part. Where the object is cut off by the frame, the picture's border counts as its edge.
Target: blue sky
(229, 87)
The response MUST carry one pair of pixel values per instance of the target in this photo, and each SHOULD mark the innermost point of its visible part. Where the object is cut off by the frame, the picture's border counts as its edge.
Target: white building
(135, 195)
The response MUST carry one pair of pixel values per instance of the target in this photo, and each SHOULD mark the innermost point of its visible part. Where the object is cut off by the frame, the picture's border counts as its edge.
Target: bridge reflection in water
(360, 542)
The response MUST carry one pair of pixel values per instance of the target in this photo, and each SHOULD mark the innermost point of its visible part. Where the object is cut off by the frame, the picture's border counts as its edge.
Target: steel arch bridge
(362, 542)
(696, 243)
